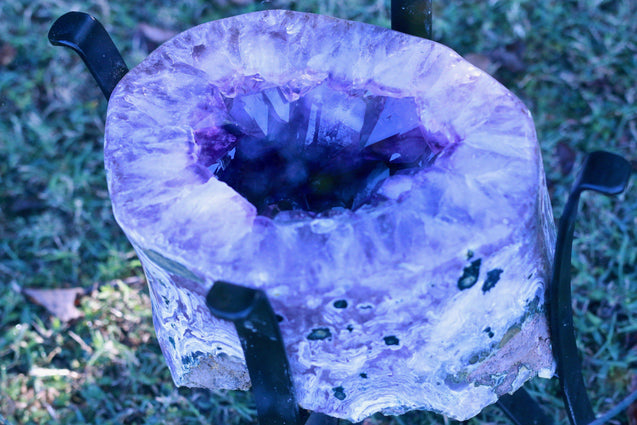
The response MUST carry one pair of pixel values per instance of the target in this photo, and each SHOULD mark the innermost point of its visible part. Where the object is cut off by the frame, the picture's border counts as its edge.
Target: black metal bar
(522, 409)
(88, 38)
(321, 419)
(258, 329)
(608, 174)
(569, 366)
(412, 17)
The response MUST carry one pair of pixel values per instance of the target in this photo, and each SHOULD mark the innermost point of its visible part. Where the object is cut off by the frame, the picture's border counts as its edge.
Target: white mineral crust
(432, 297)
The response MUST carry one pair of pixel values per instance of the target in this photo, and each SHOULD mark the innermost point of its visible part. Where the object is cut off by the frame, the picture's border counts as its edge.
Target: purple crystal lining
(326, 148)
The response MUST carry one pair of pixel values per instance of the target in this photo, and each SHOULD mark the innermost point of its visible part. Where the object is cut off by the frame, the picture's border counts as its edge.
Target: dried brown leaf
(510, 57)
(632, 414)
(59, 302)
(155, 34)
(7, 53)
(148, 37)
(483, 62)
(566, 157)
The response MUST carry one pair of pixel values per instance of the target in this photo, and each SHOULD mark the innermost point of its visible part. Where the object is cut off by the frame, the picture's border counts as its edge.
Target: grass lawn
(573, 62)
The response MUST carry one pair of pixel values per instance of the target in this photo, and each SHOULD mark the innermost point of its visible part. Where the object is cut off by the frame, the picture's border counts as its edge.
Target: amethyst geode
(387, 195)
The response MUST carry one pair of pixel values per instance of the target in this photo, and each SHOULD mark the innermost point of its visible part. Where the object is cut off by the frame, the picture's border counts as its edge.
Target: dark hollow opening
(317, 151)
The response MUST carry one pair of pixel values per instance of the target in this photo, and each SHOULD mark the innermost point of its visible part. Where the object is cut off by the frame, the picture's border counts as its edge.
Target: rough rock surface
(416, 282)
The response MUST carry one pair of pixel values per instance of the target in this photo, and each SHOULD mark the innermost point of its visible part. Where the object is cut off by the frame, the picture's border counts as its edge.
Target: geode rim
(432, 299)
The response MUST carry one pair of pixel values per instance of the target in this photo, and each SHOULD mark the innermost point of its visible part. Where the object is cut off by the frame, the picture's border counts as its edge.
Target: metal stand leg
(608, 174)
(256, 324)
(412, 17)
(88, 38)
(258, 329)
(522, 409)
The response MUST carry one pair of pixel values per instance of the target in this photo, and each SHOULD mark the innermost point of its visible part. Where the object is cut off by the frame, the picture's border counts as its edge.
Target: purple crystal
(387, 195)
(324, 149)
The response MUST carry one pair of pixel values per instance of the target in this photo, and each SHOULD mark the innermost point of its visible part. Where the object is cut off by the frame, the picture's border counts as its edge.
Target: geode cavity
(387, 195)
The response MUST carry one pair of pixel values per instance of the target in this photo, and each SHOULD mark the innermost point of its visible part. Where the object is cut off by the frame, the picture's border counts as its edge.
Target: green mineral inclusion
(493, 276)
(318, 334)
(339, 393)
(470, 275)
(391, 340)
(340, 304)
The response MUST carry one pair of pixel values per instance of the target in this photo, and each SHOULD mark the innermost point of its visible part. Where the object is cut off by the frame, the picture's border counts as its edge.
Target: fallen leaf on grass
(631, 412)
(510, 57)
(148, 37)
(7, 53)
(566, 158)
(483, 62)
(154, 34)
(59, 302)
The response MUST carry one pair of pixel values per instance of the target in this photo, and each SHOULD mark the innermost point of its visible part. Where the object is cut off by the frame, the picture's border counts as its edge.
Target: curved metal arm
(608, 174)
(88, 38)
(258, 330)
(256, 324)
(412, 17)
(522, 409)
